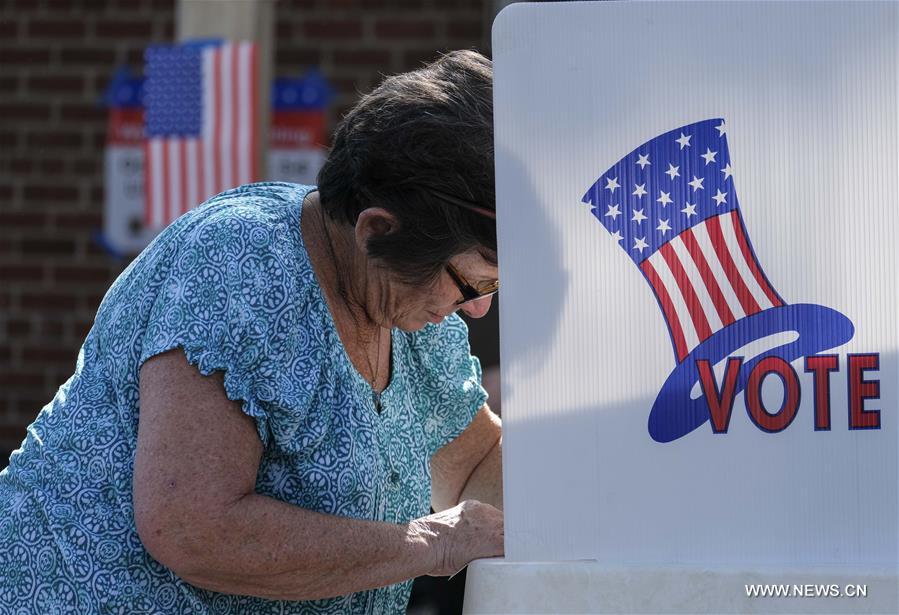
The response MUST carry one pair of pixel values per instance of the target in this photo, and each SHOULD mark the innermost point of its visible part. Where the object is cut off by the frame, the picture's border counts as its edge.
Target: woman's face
(411, 307)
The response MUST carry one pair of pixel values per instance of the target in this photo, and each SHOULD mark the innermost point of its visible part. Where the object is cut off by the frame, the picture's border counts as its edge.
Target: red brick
(393, 5)
(82, 113)
(62, 5)
(23, 111)
(59, 139)
(50, 192)
(471, 29)
(8, 29)
(87, 55)
(19, 273)
(56, 29)
(21, 165)
(23, 56)
(98, 139)
(51, 328)
(285, 29)
(81, 328)
(24, 5)
(95, 250)
(78, 221)
(168, 30)
(87, 166)
(48, 301)
(119, 29)
(29, 402)
(44, 247)
(9, 84)
(52, 165)
(129, 5)
(21, 378)
(16, 327)
(28, 405)
(49, 354)
(22, 219)
(135, 56)
(55, 83)
(92, 302)
(6, 191)
(162, 5)
(9, 138)
(332, 28)
(362, 57)
(303, 56)
(81, 274)
(459, 5)
(11, 437)
(346, 86)
(56, 375)
(401, 29)
(287, 5)
(414, 58)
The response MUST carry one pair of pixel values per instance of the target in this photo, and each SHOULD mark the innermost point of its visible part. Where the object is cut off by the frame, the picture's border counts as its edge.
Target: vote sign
(697, 209)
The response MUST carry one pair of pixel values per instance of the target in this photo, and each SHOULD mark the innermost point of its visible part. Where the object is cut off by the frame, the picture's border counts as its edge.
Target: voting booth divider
(697, 209)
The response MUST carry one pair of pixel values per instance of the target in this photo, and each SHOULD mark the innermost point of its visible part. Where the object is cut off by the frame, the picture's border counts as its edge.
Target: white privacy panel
(697, 224)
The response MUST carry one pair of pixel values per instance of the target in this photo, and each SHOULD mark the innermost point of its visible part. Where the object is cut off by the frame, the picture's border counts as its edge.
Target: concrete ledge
(498, 586)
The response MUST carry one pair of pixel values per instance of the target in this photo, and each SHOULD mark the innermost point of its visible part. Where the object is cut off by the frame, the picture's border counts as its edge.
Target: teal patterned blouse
(231, 284)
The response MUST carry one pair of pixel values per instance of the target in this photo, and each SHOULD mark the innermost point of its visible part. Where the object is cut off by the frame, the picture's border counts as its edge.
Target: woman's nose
(477, 307)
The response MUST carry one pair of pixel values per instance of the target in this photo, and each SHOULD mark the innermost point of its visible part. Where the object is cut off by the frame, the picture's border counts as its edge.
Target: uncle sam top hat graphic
(671, 205)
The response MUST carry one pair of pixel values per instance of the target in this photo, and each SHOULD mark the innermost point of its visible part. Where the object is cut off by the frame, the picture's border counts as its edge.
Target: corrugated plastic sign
(697, 209)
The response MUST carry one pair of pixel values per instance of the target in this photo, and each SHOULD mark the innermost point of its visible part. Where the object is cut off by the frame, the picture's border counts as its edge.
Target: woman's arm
(197, 513)
(470, 467)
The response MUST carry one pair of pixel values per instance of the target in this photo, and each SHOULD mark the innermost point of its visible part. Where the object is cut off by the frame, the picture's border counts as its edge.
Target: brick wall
(56, 57)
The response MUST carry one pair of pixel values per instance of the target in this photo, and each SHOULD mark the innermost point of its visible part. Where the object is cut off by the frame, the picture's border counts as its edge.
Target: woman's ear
(373, 222)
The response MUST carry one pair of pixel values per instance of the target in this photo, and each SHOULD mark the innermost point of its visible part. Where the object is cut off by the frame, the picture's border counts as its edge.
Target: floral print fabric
(231, 284)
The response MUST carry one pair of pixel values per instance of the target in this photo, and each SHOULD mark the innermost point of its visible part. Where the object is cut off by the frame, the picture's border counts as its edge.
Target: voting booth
(697, 213)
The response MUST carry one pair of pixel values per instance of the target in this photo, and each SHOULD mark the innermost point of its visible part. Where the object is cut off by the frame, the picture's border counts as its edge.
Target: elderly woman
(276, 392)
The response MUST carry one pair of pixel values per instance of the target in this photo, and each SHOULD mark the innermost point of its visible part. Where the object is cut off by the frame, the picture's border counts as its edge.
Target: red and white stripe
(706, 278)
(182, 172)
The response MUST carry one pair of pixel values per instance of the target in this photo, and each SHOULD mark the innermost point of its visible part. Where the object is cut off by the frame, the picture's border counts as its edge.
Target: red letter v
(721, 404)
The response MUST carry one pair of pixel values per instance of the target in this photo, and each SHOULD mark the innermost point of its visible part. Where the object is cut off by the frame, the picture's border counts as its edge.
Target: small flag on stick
(201, 133)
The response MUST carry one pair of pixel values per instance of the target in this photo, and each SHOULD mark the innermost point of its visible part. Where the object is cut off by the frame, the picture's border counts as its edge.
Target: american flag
(672, 206)
(201, 129)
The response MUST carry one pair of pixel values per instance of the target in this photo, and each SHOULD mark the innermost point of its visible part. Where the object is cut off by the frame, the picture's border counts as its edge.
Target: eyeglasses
(469, 291)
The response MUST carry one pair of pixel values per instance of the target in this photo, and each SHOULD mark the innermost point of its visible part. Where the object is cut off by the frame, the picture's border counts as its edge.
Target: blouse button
(394, 477)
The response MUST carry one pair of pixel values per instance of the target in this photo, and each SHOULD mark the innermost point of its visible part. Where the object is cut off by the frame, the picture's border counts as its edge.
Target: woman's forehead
(473, 264)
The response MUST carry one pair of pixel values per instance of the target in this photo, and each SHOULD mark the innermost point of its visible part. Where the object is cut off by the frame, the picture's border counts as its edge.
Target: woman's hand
(460, 534)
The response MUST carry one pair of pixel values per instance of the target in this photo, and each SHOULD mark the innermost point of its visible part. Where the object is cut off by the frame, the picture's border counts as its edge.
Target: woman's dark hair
(426, 131)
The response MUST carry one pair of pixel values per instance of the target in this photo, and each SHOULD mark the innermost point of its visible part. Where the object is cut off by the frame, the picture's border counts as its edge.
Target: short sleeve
(225, 299)
(450, 390)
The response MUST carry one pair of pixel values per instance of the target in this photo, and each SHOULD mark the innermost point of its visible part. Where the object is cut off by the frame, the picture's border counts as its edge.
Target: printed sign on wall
(697, 209)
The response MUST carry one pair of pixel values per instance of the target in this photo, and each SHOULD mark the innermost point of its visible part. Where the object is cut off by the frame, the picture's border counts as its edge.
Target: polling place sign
(697, 213)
